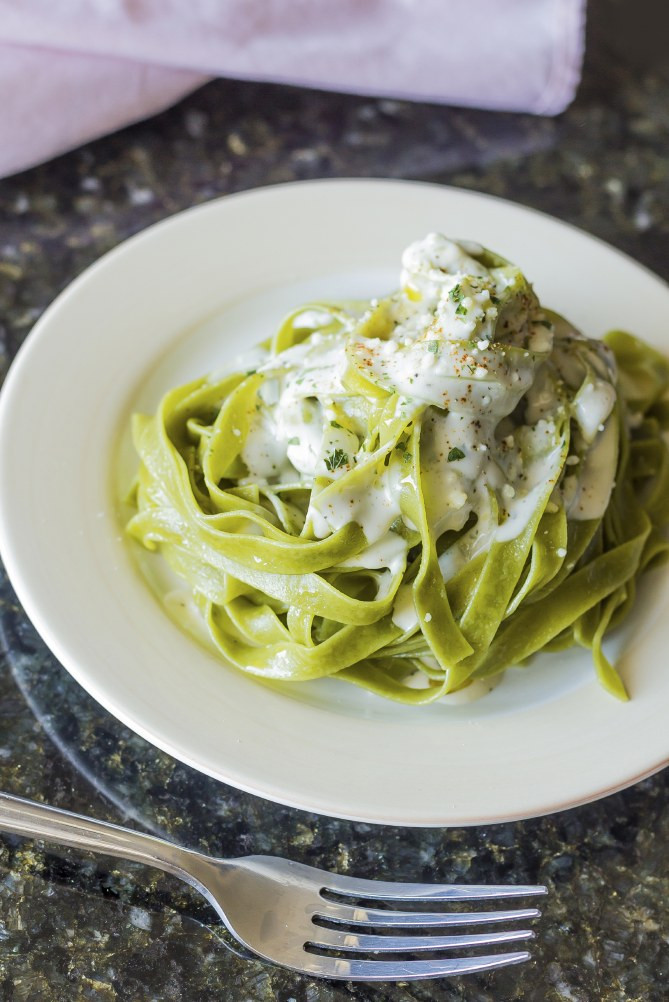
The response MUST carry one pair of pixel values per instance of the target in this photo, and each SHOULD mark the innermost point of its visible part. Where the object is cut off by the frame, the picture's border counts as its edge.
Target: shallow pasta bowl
(183, 298)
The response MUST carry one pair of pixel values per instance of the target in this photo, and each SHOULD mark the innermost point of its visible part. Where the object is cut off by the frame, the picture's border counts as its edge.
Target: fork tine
(338, 939)
(390, 891)
(335, 911)
(406, 970)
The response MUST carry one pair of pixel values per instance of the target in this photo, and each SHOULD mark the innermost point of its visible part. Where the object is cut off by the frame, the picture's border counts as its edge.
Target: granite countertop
(74, 928)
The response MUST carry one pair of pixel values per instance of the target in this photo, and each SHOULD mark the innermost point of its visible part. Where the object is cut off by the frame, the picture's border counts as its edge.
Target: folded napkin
(72, 70)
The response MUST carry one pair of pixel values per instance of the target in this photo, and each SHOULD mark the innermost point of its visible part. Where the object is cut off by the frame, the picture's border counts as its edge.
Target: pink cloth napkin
(72, 70)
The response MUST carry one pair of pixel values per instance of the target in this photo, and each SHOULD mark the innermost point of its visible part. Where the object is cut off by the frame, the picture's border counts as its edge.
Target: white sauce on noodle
(463, 345)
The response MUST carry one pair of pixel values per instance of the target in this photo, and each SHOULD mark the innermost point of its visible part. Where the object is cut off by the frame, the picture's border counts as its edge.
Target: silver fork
(317, 923)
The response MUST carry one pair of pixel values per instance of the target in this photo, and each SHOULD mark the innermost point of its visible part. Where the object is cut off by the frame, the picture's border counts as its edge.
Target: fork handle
(40, 821)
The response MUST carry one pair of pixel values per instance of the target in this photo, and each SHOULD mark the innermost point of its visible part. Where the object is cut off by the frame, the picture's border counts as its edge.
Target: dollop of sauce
(465, 347)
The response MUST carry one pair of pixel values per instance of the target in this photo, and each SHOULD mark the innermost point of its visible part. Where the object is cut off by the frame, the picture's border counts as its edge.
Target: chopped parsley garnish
(406, 457)
(433, 347)
(495, 300)
(454, 454)
(461, 310)
(335, 424)
(336, 459)
(251, 372)
(293, 441)
(455, 294)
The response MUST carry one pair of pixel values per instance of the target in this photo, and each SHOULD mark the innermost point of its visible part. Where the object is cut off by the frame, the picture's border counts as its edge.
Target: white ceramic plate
(181, 299)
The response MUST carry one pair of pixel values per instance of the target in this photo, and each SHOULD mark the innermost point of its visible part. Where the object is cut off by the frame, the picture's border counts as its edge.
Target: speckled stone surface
(89, 929)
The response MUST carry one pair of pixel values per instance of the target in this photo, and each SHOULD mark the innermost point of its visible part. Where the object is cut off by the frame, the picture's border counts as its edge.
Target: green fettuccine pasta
(417, 492)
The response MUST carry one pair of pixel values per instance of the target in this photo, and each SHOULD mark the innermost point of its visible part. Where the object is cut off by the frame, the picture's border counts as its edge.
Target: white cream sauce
(593, 489)
(469, 349)
(592, 405)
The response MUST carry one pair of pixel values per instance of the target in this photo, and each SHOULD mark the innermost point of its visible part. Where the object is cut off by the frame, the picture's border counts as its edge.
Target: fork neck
(51, 824)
